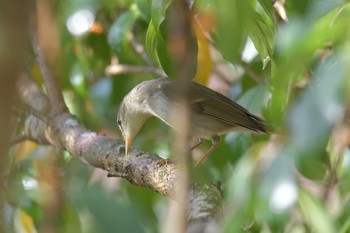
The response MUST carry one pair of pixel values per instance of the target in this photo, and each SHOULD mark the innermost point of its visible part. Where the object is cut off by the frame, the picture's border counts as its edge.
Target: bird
(211, 113)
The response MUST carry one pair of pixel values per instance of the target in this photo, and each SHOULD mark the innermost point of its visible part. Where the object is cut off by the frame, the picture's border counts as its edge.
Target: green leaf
(345, 227)
(269, 10)
(151, 43)
(232, 18)
(316, 112)
(157, 43)
(296, 44)
(164, 57)
(95, 200)
(315, 214)
(119, 31)
(262, 36)
(158, 11)
(253, 99)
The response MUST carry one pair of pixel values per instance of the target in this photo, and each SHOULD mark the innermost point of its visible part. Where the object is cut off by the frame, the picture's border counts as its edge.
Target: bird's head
(131, 117)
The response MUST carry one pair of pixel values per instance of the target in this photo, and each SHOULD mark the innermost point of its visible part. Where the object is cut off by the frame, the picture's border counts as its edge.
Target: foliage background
(296, 180)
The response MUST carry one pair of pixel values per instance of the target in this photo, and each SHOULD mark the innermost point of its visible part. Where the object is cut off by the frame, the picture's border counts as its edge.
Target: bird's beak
(127, 144)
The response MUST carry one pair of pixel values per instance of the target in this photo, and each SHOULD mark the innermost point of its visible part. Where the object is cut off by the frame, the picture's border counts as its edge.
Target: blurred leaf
(315, 113)
(254, 98)
(24, 150)
(277, 188)
(144, 7)
(72, 6)
(345, 227)
(100, 55)
(71, 218)
(232, 17)
(119, 31)
(101, 93)
(23, 222)
(98, 203)
(296, 44)
(344, 164)
(318, 9)
(315, 214)
(239, 199)
(239, 189)
(33, 209)
(204, 59)
(144, 201)
(239, 143)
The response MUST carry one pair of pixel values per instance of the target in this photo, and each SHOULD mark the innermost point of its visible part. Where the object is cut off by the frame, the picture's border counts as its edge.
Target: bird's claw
(162, 162)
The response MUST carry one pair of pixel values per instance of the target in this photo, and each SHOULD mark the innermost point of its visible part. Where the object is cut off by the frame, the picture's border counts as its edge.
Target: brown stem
(140, 50)
(14, 18)
(51, 83)
(125, 69)
(183, 57)
(255, 77)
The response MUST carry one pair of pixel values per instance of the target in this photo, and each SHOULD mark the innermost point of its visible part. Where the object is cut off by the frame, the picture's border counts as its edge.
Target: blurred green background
(285, 60)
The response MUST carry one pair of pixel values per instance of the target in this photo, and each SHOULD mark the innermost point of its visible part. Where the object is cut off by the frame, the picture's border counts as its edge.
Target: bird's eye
(119, 122)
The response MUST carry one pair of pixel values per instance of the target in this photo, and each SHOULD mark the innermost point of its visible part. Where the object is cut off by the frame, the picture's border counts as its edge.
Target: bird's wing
(206, 101)
(224, 109)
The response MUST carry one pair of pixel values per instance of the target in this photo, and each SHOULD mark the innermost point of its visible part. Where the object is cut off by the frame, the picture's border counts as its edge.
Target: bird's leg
(215, 142)
(199, 142)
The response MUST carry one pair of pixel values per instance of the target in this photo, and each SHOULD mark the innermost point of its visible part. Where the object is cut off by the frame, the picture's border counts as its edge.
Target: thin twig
(140, 49)
(254, 76)
(126, 69)
(220, 74)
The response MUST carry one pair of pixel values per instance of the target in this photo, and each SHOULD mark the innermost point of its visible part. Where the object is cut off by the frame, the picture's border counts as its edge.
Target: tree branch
(116, 69)
(139, 168)
(140, 49)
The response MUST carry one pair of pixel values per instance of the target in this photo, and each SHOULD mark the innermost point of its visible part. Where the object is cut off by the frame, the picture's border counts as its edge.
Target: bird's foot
(162, 162)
